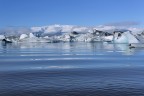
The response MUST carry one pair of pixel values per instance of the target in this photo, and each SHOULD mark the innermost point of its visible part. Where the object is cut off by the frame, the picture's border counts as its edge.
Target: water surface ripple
(71, 69)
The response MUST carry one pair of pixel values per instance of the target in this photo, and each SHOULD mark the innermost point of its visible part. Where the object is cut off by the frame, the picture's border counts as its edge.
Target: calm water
(71, 69)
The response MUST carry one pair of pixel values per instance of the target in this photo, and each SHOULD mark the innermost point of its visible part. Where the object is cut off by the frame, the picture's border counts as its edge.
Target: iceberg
(23, 36)
(124, 37)
(108, 38)
(72, 33)
(2, 37)
(30, 38)
(140, 37)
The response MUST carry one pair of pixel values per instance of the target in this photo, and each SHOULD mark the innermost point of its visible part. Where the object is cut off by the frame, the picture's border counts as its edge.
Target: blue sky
(72, 12)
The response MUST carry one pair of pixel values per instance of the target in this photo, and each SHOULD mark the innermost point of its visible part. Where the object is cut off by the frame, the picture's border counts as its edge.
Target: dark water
(71, 69)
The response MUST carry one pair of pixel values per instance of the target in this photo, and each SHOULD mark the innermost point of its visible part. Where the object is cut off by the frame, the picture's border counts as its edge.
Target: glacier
(71, 33)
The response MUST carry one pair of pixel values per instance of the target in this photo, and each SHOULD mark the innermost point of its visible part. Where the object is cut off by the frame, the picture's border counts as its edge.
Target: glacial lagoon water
(71, 69)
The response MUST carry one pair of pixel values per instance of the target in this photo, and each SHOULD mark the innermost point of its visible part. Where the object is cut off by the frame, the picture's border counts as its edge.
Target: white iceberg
(124, 37)
(23, 36)
(2, 37)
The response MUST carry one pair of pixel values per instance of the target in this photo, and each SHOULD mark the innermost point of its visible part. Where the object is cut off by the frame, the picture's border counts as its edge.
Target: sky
(72, 12)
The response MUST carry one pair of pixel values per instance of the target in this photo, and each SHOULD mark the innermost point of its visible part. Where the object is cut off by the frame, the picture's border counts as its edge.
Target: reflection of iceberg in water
(110, 47)
(72, 47)
(124, 48)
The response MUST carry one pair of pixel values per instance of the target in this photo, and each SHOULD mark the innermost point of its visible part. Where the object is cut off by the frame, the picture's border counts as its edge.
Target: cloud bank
(124, 24)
